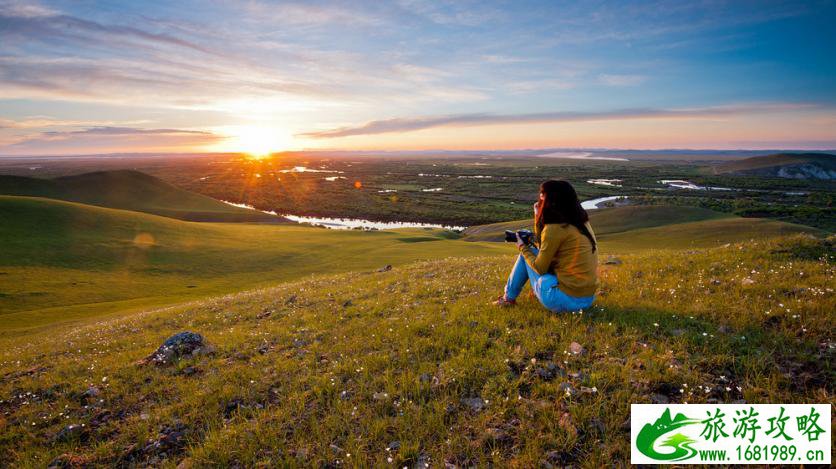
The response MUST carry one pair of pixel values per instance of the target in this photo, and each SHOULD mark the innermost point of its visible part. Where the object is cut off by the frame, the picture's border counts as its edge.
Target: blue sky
(110, 76)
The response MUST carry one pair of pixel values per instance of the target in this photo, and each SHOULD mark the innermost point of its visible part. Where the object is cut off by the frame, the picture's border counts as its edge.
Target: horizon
(512, 152)
(263, 77)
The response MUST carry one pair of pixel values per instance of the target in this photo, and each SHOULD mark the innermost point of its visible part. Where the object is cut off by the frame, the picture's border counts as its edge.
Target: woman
(563, 271)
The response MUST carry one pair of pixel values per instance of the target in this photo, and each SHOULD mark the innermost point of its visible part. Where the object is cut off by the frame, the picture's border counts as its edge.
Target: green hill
(131, 190)
(646, 227)
(788, 165)
(413, 366)
(66, 261)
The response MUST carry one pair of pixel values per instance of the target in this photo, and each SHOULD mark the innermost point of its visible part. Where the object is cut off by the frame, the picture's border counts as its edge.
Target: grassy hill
(621, 229)
(65, 261)
(68, 262)
(131, 190)
(412, 365)
(791, 165)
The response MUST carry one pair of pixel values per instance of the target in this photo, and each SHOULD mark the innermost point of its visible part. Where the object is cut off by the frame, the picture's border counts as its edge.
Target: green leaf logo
(663, 425)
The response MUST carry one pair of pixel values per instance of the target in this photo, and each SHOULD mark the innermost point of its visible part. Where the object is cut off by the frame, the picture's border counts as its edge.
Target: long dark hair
(560, 204)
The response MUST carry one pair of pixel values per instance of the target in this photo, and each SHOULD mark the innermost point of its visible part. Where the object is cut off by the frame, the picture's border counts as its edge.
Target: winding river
(359, 223)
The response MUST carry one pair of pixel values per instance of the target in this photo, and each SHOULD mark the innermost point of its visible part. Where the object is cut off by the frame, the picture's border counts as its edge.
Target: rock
(71, 432)
(586, 390)
(100, 418)
(747, 281)
(347, 303)
(556, 459)
(516, 367)
(724, 329)
(547, 371)
(336, 449)
(475, 404)
(576, 349)
(659, 399)
(422, 462)
(715, 281)
(300, 342)
(380, 396)
(264, 314)
(393, 446)
(90, 394)
(263, 348)
(385, 268)
(566, 388)
(171, 439)
(178, 346)
(232, 406)
(346, 395)
(425, 378)
(612, 260)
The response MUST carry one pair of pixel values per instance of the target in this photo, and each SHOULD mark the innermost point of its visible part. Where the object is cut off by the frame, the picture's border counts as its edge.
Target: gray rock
(178, 346)
(576, 348)
(612, 260)
(548, 371)
(90, 394)
(385, 268)
(70, 433)
(475, 404)
(567, 388)
(659, 399)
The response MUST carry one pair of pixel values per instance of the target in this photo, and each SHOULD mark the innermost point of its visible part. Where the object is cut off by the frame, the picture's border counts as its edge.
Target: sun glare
(259, 142)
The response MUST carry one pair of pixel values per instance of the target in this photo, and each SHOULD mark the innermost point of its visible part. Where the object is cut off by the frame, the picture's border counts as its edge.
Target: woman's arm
(549, 243)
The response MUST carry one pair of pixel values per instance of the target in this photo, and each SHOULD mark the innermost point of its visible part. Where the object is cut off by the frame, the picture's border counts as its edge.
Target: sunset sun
(259, 142)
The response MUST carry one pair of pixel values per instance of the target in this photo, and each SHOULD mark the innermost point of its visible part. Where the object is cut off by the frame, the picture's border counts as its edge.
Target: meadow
(414, 366)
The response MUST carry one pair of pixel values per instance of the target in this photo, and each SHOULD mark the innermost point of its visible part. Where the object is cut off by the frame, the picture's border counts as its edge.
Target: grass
(371, 368)
(64, 261)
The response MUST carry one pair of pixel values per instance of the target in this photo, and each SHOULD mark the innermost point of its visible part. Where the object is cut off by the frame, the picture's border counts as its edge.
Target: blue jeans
(544, 286)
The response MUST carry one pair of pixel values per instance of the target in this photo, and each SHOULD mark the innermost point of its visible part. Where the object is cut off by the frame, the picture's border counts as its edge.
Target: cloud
(107, 139)
(621, 80)
(41, 25)
(461, 120)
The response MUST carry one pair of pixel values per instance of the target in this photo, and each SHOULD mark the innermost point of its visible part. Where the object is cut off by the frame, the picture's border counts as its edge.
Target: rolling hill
(621, 229)
(67, 261)
(785, 165)
(131, 190)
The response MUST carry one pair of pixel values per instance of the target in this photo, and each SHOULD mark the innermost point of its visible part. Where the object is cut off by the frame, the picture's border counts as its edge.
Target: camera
(525, 235)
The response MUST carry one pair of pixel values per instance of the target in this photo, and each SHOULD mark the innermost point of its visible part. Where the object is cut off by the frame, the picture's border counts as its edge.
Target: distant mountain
(131, 190)
(785, 165)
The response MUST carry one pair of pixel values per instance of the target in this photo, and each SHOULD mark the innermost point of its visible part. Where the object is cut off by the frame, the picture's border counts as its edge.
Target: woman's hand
(520, 242)
(536, 208)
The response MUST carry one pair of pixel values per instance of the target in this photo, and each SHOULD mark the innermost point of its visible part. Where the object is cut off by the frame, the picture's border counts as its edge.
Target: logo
(730, 434)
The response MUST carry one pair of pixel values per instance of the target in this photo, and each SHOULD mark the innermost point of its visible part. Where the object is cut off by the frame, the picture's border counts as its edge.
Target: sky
(91, 77)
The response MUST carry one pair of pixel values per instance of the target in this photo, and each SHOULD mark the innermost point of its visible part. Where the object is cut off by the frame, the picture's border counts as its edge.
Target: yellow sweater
(567, 253)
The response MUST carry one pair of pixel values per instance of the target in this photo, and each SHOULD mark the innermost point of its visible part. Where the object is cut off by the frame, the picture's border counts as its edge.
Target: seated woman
(563, 271)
